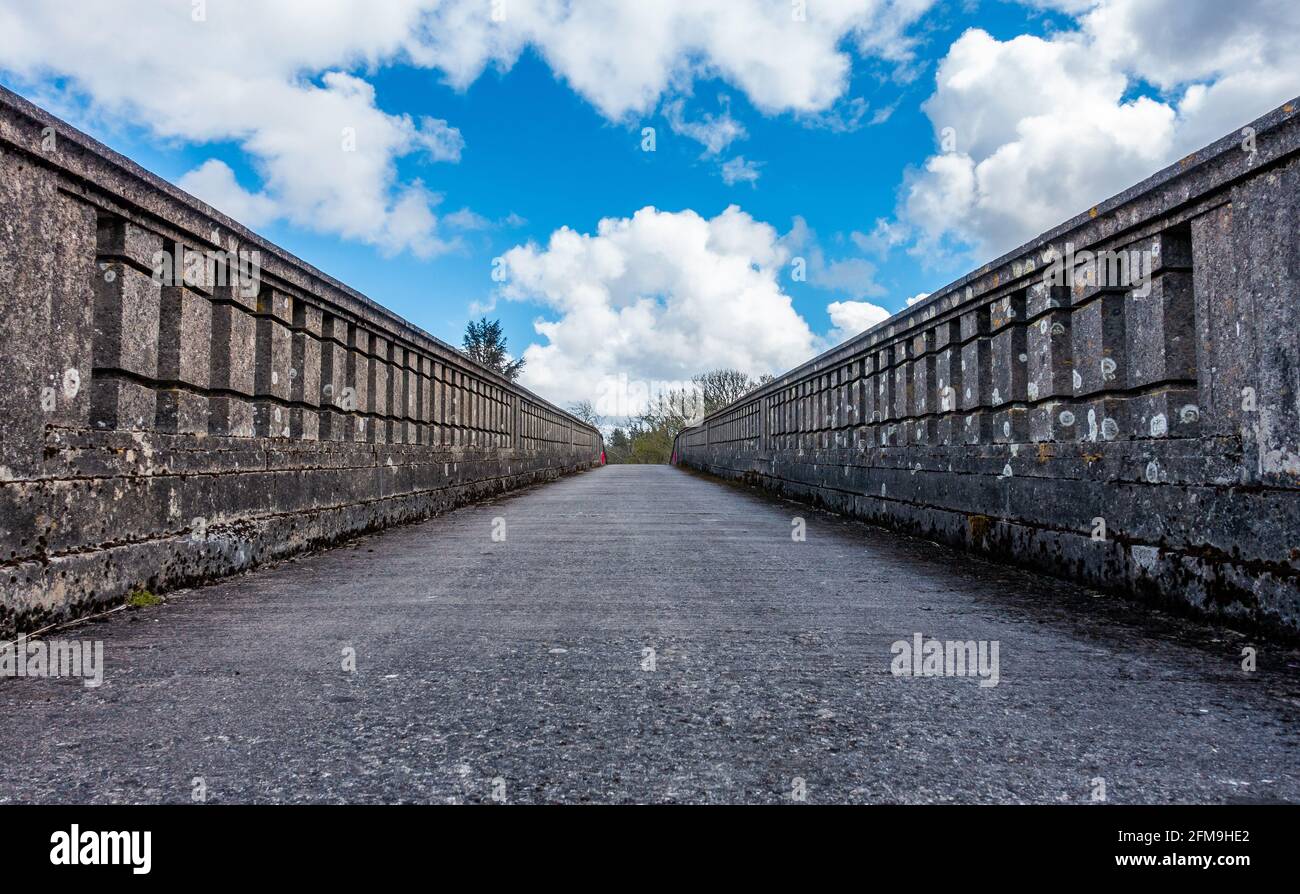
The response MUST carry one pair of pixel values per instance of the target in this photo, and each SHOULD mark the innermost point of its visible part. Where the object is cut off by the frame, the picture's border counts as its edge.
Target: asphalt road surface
(520, 670)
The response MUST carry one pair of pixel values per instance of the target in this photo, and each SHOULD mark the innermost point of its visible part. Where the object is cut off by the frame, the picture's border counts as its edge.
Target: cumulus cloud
(853, 317)
(622, 57)
(645, 299)
(1043, 128)
(214, 182)
(325, 151)
(849, 318)
(289, 90)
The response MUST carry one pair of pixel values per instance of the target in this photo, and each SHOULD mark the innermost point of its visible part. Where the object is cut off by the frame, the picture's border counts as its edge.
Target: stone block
(127, 310)
(925, 390)
(976, 366)
(333, 373)
(1098, 345)
(333, 425)
(359, 363)
(977, 428)
(1103, 419)
(1167, 413)
(1008, 364)
(185, 337)
(271, 420)
(1010, 426)
(974, 323)
(118, 239)
(121, 404)
(234, 350)
(181, 412)
(274, 359)
(1009, 310)
(277, 305)
(230, 416)
(304, 424)
(1054, 421)
(1042, 296)
(380, 388)
(1051, 358)
(304, 371)
(307, 318)
(1160, 331)
(198, 272)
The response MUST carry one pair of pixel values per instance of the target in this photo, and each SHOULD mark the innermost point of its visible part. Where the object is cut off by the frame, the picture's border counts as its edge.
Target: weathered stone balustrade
(1133, 425)
(182, 399)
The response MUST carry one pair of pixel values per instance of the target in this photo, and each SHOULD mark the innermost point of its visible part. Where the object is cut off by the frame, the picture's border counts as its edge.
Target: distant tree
(649, 435)
(720, 387)
(672, 411)
(653, 445)
(587, 413)
(618, 448)
(486, 343)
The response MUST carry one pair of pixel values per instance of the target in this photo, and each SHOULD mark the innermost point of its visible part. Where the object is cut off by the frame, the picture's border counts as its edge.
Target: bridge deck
(522, 660)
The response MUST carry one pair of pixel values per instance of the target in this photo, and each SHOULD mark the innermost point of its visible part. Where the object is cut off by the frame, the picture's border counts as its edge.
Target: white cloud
(1171, 43)
(1223, 64)
(738, 170)
(1045, 128)
(854, 276)
(325, 151)
(656, 297)
(214, 182)
(843, 117)
(1070, 6)
(410, 224)
(851, 275)
(880, 116)
(283, 80)
(440, 140)
(481, 308)
(917, 298)
(853, 317)
(1042, 130)
(624, 56)
(882, 238)
(465, 219)
(849, 115)
(714, 132)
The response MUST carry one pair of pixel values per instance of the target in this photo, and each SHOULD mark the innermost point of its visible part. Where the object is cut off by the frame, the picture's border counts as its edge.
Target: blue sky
(545, 146)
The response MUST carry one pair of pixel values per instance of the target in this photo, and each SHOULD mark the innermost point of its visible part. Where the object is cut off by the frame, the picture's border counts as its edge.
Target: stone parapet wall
(1134, 427)
(182, 399)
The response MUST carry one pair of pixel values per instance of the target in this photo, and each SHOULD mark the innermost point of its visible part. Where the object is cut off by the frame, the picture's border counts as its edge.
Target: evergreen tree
(485, 343)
